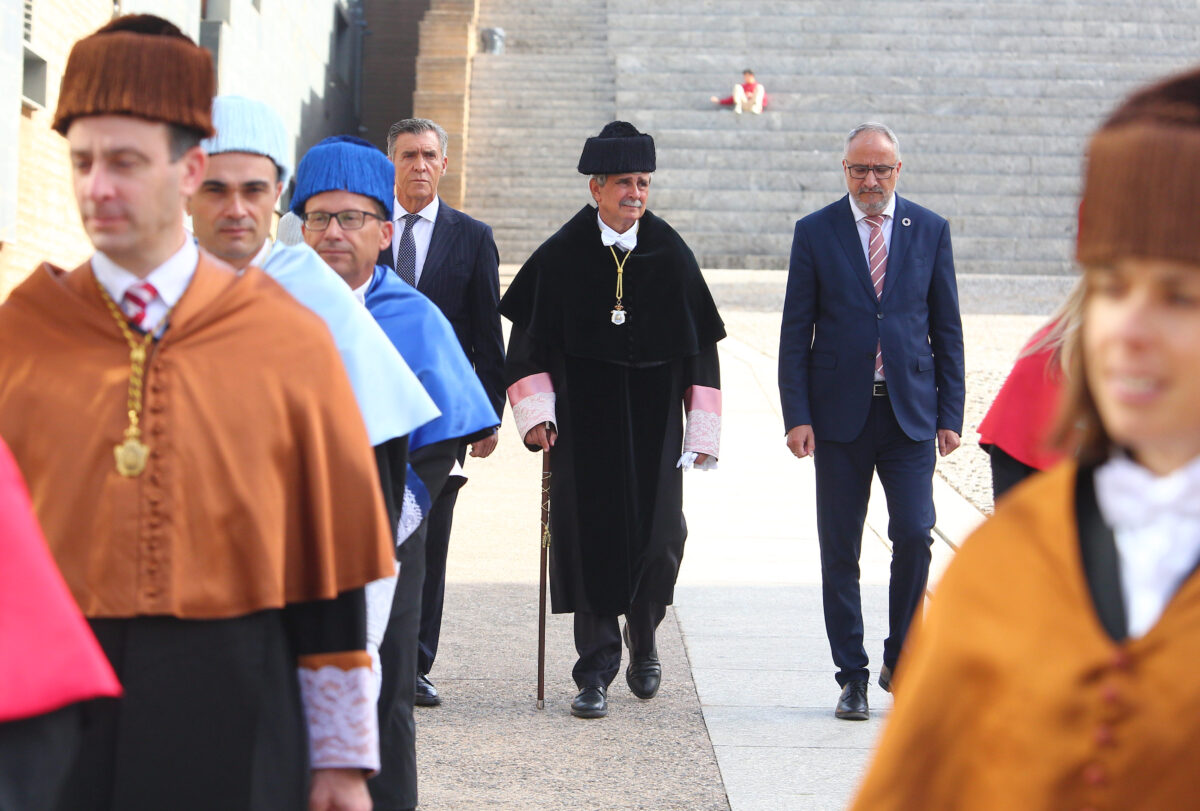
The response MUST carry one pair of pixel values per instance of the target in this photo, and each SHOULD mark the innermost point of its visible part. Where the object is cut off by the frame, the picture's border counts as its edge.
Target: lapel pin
(906, 222)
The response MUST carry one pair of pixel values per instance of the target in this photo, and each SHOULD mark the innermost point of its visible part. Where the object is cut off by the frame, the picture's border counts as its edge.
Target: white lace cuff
(533, 411)
(703, 434)
(411, 516)
(343, 728)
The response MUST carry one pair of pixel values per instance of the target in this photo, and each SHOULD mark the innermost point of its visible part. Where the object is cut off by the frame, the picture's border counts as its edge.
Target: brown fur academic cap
(138, 65)
(1142, 181)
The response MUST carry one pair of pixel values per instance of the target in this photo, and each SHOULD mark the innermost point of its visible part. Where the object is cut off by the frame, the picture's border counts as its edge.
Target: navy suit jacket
(832, 321)
(461, 276)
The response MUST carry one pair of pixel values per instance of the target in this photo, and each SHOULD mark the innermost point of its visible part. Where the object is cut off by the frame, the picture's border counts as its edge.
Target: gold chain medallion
(132, 454)
(618, 313)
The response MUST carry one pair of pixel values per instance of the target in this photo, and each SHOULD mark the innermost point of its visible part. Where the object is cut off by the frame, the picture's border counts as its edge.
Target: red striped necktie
(135, 301)
(877, 260)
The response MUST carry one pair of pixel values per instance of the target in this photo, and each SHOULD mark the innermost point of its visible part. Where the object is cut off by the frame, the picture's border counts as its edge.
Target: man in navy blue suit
(452, 259)
(870, 374)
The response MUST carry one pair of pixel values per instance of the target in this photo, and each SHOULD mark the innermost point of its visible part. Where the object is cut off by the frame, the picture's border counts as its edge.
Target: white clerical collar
(889, 211)
(626, 241)
(170, 278)
(428, 213)
(360, 293)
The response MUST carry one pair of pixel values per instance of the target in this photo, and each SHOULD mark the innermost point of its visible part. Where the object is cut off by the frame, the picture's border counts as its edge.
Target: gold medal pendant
(131, 456)
(618, 314)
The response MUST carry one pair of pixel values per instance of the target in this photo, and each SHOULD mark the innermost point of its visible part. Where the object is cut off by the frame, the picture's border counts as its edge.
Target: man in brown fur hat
(192, 447)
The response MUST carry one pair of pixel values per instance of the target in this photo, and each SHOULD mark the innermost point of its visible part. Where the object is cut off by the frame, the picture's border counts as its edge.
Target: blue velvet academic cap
(345, 163)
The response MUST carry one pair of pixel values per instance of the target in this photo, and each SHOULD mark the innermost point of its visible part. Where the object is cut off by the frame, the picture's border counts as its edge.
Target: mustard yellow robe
(1011, 695)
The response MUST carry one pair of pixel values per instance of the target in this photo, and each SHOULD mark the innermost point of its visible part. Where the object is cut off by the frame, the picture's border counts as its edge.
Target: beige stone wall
(448, 41)
(48, 227)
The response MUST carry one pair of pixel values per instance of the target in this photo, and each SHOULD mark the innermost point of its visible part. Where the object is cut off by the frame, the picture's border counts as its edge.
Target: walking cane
(543, 565)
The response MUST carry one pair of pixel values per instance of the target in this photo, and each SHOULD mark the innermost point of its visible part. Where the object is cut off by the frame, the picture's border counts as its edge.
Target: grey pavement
(744, 720)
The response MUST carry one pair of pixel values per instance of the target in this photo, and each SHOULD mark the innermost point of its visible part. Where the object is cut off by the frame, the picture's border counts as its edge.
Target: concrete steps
(531, 109)
(992, 102)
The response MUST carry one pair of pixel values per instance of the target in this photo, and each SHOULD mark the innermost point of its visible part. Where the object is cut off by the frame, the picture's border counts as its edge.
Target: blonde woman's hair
(1064, 323)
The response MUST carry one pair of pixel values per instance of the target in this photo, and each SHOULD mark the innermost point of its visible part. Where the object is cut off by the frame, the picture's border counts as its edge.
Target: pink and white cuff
(703, 432)
(532, 400)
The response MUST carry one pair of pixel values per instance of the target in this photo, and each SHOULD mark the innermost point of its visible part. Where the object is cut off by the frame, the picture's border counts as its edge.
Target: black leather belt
(879, 388)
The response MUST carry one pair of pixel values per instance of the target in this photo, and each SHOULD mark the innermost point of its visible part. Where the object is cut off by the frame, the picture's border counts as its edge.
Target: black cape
(565, 293)
(617, 523)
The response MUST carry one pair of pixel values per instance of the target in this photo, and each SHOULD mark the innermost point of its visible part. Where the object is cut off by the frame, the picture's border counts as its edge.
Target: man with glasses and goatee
(870, 374)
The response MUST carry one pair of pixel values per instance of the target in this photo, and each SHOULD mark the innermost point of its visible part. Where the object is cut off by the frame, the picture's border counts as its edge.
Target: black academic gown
(616, 495)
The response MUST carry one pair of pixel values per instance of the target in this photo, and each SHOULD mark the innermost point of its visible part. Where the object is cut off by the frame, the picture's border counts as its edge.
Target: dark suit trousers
(395, 787)
(437, 551)
(844, 472)
(598, 641)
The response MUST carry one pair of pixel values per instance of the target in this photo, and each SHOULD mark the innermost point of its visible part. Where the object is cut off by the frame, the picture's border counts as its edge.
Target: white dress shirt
(170, 279)
(626, 241)
(422, 231)
(864, 227)
(1156, 526)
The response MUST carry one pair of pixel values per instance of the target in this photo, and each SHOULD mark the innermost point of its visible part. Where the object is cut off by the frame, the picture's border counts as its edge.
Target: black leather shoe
(592, 702)
(643, 675)
(427, 694)
(885, 679)
(852, 705)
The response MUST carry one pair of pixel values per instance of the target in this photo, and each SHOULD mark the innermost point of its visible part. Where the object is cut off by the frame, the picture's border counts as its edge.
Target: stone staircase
(992, 101)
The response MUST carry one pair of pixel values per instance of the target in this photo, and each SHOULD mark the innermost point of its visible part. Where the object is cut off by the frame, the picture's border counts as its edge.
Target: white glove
(688, 462)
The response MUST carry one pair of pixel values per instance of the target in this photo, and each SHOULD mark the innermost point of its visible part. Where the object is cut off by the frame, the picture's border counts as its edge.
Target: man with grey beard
(870, 373)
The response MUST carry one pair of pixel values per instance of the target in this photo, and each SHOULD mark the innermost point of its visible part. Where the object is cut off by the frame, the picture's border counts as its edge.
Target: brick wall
(48, 227)
(389, 64)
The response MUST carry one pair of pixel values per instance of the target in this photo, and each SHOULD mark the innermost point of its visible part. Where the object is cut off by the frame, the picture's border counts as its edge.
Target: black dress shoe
(592, 702)
(427, 694)
(644, 674)
(852, 705)
(643, 677)
(885, 679)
